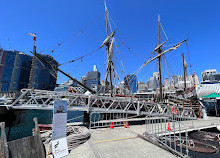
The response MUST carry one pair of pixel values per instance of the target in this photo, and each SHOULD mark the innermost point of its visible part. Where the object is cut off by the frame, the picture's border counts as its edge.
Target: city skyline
(140, 35)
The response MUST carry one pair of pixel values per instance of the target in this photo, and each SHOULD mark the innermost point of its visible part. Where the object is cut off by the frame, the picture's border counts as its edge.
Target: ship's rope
(163, 31)
(123, 67)
(53, 73)
(132, 51)
(169, 67)
(165, 62)
(79, 57)
(75, 136)
(53, 48)
(60, 55)
(117, 64)
(176, 63)
(73, 35)
(189, 57)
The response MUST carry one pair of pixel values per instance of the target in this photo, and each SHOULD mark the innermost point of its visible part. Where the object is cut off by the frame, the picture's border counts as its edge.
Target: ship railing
(181, 113)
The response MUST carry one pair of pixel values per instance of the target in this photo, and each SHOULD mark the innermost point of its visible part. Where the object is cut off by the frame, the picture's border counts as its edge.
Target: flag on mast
(194, 74)
(33, 34)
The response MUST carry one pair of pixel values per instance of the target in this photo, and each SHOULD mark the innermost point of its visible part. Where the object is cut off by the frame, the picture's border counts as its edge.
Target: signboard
(59, 148)
(59, 143)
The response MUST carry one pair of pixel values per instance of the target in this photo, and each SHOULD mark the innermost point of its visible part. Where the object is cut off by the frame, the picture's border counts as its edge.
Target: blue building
(130, 82)
(44, 76)
(15, 70)
(21, 72)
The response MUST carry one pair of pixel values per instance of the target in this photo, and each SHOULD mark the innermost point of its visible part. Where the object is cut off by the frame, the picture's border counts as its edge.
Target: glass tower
(131, 82)
(15, 70)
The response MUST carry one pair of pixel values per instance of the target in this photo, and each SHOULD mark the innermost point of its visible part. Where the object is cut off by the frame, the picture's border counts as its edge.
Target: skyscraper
(44, 76)
(153, 82)
(130, 82)
(21, 71)
(167, 82)
(15, 70)
(93, 78)
(174, 80)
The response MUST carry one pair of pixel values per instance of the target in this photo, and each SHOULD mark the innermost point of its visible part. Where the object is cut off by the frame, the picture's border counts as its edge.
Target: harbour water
(44, 117)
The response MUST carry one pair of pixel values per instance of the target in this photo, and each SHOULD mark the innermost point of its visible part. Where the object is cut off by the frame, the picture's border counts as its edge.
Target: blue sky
(82, 22)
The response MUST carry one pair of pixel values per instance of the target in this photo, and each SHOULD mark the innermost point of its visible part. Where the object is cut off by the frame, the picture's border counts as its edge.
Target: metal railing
(171, 132)
(99, 120)
(10, 95)
(44, 100)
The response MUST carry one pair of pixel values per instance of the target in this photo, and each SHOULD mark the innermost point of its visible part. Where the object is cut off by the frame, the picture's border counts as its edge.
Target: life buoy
(174, 110)
(71, 90)
(185, 113)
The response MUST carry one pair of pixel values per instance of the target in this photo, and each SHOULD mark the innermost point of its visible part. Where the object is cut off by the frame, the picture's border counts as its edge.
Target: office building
(44, 76)
(15, 70)
(194, 79)
(142, 87)
(153, 82)
(130, 82)
(166, 82)
(174, 80)
(93, 78)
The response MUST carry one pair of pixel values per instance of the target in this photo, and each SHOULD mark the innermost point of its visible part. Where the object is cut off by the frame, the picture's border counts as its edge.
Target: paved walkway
(118, 143)
(123, 142)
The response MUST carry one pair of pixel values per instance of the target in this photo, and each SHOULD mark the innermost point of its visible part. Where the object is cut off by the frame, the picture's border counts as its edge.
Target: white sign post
(59, 143)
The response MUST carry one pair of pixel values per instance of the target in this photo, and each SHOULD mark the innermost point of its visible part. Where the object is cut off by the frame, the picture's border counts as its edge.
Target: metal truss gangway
(44, 100)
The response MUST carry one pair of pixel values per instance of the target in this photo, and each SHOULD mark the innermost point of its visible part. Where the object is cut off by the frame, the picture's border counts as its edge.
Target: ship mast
(159, 55)
(109, 45)
(159, 62)
(33, 64)
(184, 70)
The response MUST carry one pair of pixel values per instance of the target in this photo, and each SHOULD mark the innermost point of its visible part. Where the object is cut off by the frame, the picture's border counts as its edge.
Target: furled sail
(106, 41)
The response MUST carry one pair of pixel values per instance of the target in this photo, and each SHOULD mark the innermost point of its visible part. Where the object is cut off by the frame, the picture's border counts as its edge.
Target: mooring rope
(75, 136)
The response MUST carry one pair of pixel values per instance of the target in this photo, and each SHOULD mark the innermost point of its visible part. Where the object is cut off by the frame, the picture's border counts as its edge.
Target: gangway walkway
(44, 100)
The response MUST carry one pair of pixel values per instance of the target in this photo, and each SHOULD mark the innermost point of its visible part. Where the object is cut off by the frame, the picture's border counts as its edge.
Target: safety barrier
(170, 132)
(99, 120)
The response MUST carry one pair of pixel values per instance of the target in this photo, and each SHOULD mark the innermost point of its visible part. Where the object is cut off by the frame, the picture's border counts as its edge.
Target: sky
(79, 26)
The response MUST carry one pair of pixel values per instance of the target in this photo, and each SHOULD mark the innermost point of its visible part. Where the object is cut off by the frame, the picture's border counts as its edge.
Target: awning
(213, 95)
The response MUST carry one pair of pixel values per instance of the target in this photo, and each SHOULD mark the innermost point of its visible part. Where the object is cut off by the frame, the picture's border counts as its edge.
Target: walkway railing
(99, 120)
(170, 132)
(44, 100)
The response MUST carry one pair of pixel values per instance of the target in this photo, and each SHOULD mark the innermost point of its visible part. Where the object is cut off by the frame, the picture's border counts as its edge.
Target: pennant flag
(194, 74)
(32, 34)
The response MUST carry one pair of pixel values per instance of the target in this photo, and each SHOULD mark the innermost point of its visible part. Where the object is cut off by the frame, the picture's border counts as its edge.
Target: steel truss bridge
(44, 100)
